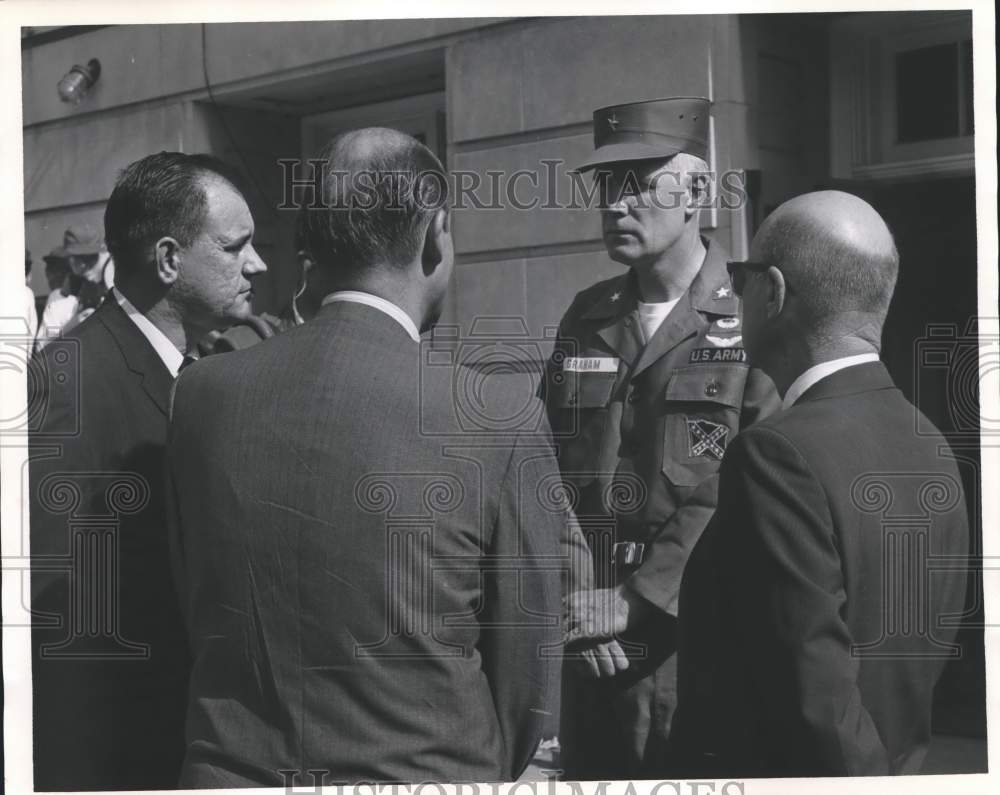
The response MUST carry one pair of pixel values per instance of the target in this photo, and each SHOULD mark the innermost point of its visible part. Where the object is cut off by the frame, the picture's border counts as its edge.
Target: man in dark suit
(111, 662)
(811, 631)
(370, 583)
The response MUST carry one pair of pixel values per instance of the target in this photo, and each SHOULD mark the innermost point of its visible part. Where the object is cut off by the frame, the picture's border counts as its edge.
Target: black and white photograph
(578, 399)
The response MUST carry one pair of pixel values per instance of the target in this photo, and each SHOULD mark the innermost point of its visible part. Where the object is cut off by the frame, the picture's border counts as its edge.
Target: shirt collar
(374, 301)
(818, 372)
(164, 348)
(710, 292)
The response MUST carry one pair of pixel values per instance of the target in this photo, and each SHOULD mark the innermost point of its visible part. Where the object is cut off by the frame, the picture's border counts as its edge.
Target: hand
(603, 660)
(600, 614)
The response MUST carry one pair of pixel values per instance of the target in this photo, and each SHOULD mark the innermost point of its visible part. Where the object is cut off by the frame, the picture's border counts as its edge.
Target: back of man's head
(161, 195)
(380, 188)
(837, 256)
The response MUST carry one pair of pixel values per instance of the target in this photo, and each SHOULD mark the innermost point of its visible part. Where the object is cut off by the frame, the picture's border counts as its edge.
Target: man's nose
(254, 264)
(616, 208)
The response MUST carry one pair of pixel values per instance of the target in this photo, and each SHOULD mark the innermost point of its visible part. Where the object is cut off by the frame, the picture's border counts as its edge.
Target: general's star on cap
(649, 130)
(723, 292)
(615, 297)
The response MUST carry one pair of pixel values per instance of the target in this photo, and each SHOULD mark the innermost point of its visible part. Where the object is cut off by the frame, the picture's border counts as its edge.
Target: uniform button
(628, 321)
(571, 400)
(633, 397)
(712, 388)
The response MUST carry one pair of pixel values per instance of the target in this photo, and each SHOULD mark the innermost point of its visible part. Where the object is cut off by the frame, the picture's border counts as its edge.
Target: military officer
(647, 385)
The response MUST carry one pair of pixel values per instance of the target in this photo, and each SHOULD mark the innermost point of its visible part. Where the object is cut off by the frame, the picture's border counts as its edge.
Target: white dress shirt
(374, 301)
(30, 312)
(59, 309)
(820, 371)
(164, 348)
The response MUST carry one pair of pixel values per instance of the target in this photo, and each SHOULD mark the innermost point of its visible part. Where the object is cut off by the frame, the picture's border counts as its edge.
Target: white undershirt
(820, 371)
(164, 348)
(651, 316)
(374, 301)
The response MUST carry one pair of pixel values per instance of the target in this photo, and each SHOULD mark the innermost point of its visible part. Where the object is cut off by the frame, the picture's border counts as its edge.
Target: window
(932, 85)
(901, 95)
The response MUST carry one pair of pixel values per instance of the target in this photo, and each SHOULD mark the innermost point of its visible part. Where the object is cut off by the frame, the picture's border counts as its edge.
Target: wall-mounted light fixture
(77, 82)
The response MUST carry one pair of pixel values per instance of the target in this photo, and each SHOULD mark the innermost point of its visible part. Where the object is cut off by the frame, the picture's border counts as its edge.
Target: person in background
(89, 275)
(109, 699)
(30, 312)
(56, 271)
(307, 299)
(812, 631)
(62, 303)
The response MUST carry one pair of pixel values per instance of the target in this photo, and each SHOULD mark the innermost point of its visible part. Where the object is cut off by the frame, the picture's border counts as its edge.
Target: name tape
(590, 364)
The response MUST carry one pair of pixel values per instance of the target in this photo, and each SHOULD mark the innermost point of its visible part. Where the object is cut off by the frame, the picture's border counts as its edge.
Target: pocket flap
(715, 383)
(585, 390)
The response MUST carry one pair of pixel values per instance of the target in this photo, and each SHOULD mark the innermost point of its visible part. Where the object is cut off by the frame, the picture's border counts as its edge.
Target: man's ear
(168, 260)
(777, 291)
(698, 191)
(437, 241)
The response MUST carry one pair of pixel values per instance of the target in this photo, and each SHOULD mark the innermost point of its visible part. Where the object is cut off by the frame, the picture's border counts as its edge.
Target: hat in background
(80, 240)
(656, 128)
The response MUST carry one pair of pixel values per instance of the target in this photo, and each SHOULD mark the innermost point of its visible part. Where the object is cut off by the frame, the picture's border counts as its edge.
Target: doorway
(292, 118)
(935, 308)
(421, 116)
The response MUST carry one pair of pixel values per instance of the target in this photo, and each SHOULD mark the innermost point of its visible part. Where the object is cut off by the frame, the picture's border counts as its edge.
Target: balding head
(367, 147)
(836, 254)
(380, 188)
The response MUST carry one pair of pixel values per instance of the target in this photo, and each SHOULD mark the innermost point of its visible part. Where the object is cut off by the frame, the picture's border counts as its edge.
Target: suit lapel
(139, 355)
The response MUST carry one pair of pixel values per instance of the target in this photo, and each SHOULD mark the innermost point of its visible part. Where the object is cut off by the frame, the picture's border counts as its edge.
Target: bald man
(810, 630)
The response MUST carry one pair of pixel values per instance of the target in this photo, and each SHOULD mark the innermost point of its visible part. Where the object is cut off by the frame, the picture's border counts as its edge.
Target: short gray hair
(829, 275)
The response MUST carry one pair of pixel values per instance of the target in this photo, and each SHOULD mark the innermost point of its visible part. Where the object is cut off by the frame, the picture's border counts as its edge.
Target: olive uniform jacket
(641, 429)
(813, 625)
(110, 660)
(370, 580)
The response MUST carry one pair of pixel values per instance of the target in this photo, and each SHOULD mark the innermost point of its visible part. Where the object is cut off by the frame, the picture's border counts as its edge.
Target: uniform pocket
(573, 390)
(702, 405)
(580, 413)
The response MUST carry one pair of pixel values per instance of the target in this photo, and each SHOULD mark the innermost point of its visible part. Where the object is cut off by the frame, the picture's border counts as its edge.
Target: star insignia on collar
(723, 292)
(615, 297)
(613, 122)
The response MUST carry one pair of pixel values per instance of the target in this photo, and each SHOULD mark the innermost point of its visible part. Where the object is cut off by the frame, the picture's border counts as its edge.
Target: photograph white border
(16, 13)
